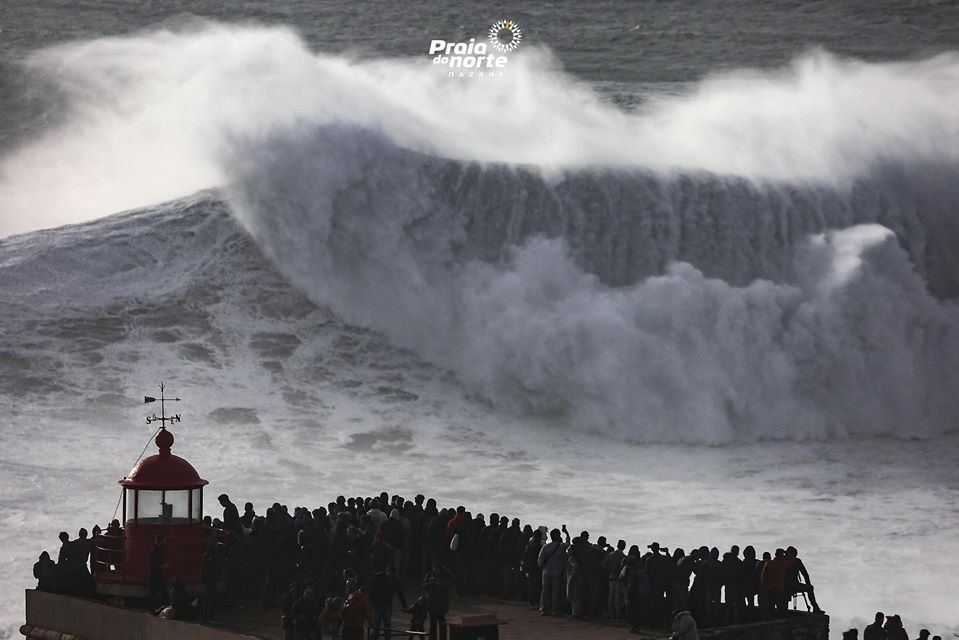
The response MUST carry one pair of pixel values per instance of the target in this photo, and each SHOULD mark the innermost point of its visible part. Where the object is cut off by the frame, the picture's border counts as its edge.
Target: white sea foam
(848, 342)
(150, 117)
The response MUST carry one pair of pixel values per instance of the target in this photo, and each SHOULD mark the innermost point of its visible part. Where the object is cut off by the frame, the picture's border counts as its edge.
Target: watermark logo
(475, 59)
(505, 35)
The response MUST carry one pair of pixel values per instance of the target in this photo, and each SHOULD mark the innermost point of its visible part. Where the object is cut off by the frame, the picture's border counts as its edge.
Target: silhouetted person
(894, 630)
(181, 602)
(331, 617)
(552, 560)
(749, 572)
(616, 596)
(684, 627)
(851, 634)
(231, 516)
(306, 615)
(437, 585)
(383, 587)
(923, 634)
(875, 630)
(773, 581)
(679, 583)
(419, 612)
(357, 612)
(731, 570)
(45, 571)
(506, 553)
(704, 594)
(392, 530)
(249, 515)
(529, 565)
(637, 589)
(794, 570)
(66, 549)
(84, 547)
(286, 606)
(157, 564)
(576, 576)
(381, 553)
(659, 570)
(210, 576)
(688, 597)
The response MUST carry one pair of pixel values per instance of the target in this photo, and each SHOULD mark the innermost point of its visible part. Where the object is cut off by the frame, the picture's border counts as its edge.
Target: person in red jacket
(773, 582)
(357, 612)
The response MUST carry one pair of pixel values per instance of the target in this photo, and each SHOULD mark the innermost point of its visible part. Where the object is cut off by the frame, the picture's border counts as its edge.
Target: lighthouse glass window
(196, 504)
(155, 507)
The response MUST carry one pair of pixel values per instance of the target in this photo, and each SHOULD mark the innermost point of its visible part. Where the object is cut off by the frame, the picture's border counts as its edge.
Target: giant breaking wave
(772, 255)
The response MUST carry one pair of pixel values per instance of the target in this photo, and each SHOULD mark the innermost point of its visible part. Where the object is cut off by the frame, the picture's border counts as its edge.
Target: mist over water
(769, 257)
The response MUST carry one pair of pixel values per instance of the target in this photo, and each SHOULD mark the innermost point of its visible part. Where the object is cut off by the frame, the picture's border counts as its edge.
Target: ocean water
(684, 273)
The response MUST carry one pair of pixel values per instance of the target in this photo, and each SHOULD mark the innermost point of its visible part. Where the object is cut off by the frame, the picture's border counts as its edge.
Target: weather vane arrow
(162, 418)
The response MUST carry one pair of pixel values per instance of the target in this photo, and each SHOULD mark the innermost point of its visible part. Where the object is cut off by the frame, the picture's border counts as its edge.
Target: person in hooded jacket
(684, 627)
(45, 571)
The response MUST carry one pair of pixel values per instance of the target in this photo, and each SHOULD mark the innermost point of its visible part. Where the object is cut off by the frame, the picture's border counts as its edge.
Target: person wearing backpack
(552, 560)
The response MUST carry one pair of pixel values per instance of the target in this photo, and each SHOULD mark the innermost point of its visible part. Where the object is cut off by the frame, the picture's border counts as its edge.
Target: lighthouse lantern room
(162, 495)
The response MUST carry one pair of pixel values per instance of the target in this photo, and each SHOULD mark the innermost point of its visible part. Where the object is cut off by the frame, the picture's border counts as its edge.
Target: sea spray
(829, 331)
(151, 116)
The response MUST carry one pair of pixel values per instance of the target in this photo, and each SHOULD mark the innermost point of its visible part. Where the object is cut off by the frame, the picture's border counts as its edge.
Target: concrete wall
(97, 621)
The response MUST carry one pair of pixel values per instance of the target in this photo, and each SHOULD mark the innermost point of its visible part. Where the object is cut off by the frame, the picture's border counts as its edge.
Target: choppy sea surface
(682, 272)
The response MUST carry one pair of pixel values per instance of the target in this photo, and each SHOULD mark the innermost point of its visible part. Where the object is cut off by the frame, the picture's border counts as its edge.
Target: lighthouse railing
(108, 555)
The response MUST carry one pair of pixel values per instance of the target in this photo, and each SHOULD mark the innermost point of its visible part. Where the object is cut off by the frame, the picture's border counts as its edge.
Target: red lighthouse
(162, 495)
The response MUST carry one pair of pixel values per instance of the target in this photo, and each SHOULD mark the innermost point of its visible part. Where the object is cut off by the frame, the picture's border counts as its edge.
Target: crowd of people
(73, 570)
(886, 627)
(334, 571)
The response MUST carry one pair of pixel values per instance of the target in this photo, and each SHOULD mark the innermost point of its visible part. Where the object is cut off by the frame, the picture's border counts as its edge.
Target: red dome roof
(163, 470)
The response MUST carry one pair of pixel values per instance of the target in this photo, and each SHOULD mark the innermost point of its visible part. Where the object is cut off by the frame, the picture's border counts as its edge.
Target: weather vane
(162, 418)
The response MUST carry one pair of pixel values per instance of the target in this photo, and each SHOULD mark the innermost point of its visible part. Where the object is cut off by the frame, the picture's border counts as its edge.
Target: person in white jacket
(684, 627)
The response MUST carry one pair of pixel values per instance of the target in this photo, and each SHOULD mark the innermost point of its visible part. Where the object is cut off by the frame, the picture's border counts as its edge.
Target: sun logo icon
(505, 35)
